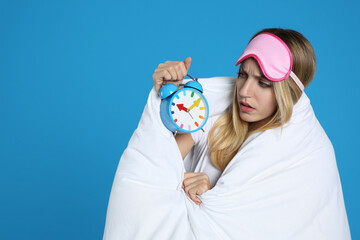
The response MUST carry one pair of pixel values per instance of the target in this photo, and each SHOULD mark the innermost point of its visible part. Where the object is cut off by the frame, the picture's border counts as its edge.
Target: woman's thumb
(187, 63)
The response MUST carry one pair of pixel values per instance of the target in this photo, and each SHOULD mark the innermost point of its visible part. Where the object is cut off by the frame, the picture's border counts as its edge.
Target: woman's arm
(185, 143)
(195, 183)
(175, 72)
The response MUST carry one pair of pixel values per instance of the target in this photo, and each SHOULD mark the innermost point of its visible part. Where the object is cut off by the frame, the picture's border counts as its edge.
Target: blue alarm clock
(183, 110)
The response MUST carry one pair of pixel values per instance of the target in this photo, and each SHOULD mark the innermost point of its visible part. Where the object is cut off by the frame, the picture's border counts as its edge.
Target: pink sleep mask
(273, 56)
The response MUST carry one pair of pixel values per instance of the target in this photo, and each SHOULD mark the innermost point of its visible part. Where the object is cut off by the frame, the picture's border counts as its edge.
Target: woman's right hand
(170, 71)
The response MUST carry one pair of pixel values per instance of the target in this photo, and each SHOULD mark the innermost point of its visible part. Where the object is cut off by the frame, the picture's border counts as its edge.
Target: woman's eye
(241, 75)
(263, 84)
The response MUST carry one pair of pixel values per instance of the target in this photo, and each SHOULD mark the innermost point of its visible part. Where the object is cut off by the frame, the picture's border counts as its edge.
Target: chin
(245, 117)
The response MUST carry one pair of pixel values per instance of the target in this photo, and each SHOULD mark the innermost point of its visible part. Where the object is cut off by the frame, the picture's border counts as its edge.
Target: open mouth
(245, 104)
(245, 107)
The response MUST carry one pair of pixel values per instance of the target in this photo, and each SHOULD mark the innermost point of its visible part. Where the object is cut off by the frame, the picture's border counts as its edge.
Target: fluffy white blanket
(282, 184)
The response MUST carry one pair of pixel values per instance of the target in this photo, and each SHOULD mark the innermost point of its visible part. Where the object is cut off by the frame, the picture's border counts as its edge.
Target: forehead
(252, 65)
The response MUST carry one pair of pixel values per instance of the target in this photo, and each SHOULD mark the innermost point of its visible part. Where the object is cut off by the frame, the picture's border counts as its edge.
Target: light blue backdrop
(75, 76)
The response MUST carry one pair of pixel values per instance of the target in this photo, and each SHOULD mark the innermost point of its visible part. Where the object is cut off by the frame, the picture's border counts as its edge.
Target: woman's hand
(196, 184)
(174, 71)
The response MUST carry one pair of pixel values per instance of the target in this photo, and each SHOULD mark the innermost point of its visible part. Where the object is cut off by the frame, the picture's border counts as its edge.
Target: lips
(245, 104)
(246, 108)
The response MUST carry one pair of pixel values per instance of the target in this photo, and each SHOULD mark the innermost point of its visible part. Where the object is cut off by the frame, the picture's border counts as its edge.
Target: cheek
(273, 107)
(238, 87)
(272, 104)
(239, 84)
(269, 103)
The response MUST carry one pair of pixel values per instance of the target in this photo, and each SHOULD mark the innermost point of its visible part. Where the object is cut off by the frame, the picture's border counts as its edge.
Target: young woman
(263, 168)
(260, 101)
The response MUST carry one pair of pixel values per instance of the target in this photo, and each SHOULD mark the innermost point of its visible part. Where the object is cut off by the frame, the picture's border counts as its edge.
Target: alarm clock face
(189, 110)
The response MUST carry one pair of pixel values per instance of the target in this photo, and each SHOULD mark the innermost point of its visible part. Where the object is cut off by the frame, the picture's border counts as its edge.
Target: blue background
(75, 77)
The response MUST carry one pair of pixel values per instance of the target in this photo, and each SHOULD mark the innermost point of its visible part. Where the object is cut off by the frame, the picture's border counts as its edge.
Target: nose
(246, 89)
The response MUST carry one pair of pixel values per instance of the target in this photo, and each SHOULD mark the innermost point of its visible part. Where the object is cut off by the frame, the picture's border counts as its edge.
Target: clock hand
(181, 107)
(190, 114)
(196, 104)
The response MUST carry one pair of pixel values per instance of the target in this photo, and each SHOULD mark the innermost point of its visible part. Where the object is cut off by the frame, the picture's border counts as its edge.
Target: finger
(187, 63)
(157, 78)
(197, 188)
(160, 78)
(170, 62)
(195, 174)
(190, 174)
(161, 75)
(194, 198)
(198, 200)
(179, 71)
(173, 73)
(176, 82)
(201, 186)
(188, 181)
(162, 67)
(164, 78)
(183, 69)
(192, 194)
(167, 75)
(159, 69)
(190, 177)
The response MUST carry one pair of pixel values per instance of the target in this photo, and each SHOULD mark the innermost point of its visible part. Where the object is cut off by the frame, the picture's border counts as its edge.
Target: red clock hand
(181, 107)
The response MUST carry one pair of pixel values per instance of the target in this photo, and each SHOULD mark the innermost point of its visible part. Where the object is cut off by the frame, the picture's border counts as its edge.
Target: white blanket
(282, 184)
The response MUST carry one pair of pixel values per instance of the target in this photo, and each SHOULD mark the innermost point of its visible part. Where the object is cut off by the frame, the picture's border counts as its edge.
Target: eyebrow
(257, 76)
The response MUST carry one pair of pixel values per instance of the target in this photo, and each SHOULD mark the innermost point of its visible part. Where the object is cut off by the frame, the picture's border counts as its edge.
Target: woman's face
(255, 93)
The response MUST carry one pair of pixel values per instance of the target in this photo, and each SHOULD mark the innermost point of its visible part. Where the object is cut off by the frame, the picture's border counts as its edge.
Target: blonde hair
(230, 131)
